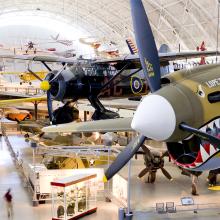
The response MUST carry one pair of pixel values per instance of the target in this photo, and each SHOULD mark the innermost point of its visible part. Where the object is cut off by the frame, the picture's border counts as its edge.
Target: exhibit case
(74, 197)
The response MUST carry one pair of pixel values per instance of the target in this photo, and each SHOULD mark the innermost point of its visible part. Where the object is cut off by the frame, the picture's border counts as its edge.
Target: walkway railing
(22, 90)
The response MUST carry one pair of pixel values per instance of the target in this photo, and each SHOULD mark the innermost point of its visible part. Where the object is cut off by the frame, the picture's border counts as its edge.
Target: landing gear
(100, 111)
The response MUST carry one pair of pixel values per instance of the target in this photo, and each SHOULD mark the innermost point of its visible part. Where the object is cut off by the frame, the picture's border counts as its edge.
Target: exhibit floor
(22, 204)
(144, 196)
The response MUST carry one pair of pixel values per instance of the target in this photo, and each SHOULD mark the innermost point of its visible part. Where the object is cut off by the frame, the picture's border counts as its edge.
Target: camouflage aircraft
(175, 112)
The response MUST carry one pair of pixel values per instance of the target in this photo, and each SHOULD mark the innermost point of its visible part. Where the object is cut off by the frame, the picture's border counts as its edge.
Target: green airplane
(177, 111)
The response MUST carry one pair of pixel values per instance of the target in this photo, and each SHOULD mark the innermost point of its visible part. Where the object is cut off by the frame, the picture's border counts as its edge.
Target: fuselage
(26, 76)
(190, 97)
(80, 82)
(197, 154)
(18, 116)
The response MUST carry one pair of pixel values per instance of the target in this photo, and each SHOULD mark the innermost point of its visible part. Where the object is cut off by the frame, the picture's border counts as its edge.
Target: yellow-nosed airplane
(27, 77)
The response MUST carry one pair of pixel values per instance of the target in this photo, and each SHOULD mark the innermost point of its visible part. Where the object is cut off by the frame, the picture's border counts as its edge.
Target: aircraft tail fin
(131, 46)
(164, 48)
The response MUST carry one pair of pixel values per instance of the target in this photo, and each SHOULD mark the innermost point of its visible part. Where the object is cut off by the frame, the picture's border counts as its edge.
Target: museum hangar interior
(109, 109)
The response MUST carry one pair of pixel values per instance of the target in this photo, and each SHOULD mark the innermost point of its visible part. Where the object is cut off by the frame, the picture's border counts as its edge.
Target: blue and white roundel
(136, 84)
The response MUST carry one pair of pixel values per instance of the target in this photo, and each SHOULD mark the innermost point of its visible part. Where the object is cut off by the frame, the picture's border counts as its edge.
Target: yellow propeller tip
(105, 180)
(45, 85)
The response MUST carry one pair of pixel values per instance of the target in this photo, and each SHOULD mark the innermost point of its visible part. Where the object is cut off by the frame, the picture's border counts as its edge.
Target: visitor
(8, 201)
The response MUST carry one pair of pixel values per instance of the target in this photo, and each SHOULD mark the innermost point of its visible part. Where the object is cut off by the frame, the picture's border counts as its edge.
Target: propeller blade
(146, 45)
(124, 157)
(207, 137)
(165, 154)
(143, 172)
(166, 174)
(147, 151)
(49, 106)
(58, 73)
(41, 134)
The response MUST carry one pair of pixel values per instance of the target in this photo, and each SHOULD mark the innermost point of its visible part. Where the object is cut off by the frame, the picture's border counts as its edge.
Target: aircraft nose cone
(154, 118)
(45, 85)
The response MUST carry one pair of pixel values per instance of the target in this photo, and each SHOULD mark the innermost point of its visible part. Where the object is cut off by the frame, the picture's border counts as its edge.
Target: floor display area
(109, 109)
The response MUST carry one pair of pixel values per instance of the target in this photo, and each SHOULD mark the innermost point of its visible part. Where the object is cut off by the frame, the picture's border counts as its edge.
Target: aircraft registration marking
(149, 68)
(213, 83)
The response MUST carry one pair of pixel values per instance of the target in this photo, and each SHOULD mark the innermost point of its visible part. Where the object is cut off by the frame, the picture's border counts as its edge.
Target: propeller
(151, 66)
(55, 90)
(58, 73)
(166, 174)
(143, 172)
(146, 45)
(153, 163)
(49, 106)
(124, 157)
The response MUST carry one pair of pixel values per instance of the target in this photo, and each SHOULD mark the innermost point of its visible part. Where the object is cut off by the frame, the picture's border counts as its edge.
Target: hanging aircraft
(176, 112)
(27, 77)
(101, 49)
(86, 79)
(61, 41)
(92, 80)
(15, 114)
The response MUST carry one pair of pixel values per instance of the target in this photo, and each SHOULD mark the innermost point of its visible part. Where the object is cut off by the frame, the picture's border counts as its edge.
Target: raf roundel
(136, 84)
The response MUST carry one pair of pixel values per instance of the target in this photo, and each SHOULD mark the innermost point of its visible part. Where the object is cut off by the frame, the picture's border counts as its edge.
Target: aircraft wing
(12, 101)
(164, 57)
(40, 58)
(185, 55)
(108, 125)
(114, 104)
